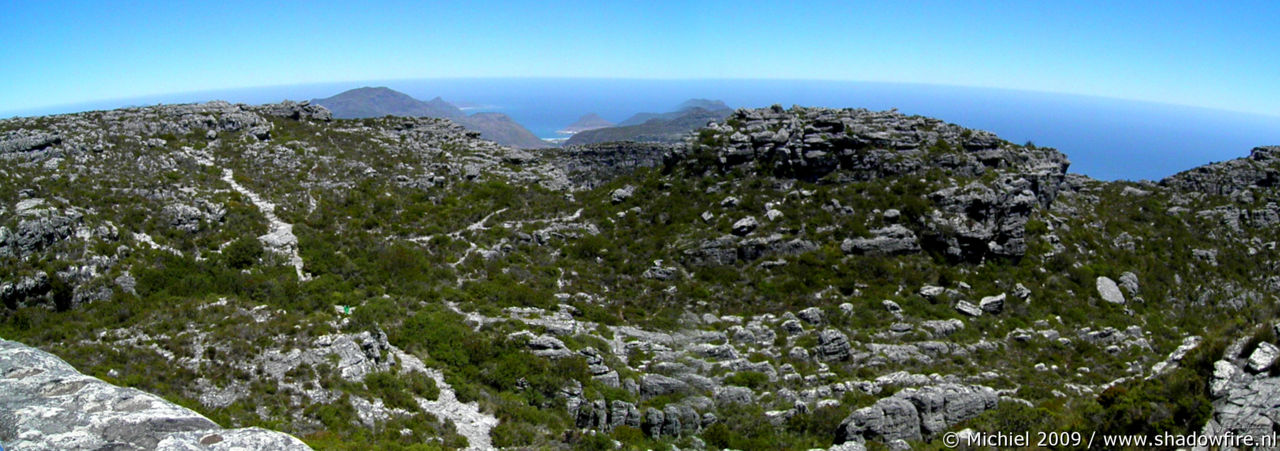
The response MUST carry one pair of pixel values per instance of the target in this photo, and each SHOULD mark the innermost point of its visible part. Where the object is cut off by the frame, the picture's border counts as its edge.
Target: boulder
(792, 327)
(891, 306)
(916, 414)
(548, 346)
(967, 308)
(745, 226)
(1263, 357)
(1129, 281)
(833, 345)
(621, 195)
(888, 419)
(1109, 291)
(811, 315)
(892, 240)
(992, 304)
(653, 421)
(1021, 292)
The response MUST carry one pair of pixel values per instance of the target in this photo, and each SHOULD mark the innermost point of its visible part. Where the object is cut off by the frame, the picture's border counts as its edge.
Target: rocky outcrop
(46, 404)
(970, 222)
(1258, 170)
(892, 240)
(810, 143)
(591, 165)
(978, 220)
(1244, 392)
(730, 249)
(19, 142)
(36, 231)
(916, 414)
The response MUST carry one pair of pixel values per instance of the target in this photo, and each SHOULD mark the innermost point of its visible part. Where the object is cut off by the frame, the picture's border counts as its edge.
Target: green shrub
(243, 253)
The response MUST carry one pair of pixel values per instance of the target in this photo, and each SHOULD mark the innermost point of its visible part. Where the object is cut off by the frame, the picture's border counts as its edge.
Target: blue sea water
(1104, 138)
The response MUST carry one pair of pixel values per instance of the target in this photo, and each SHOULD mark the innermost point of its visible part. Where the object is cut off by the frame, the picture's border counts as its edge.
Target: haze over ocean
(1105, 138)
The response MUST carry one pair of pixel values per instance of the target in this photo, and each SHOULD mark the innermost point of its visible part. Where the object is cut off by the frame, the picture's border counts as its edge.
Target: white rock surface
(1109, 291)
(46, 404)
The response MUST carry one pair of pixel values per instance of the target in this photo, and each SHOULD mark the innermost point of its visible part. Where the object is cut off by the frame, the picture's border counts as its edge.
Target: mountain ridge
(668, 128)
(382, 101)
(589, 121)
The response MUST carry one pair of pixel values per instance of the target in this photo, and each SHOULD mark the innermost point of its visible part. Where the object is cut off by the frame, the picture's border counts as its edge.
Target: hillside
(668, 128)
(590, 121)
(774, 279)
(680, 110)
(377, 102)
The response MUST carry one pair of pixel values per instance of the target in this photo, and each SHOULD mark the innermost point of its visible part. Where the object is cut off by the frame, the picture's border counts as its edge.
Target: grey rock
(891, 306)
(944, 327)
(792, 327)
(621, 195)
(916, 414)
(730, 395)
(1209, 256)
(548, 346)
(745, 226)
(1263, 357)
(718, 352)
(1021, 292)
(1109, 291)
(28, 290)
(37, 233)
(56, 407)
(1228, 177)
(653, 421)
(22, 142)
(660, 273)
(1129, 281)
(183, 217)
(671, 424)
(888, 419)
(593, 165)
(892, 240)
(127, 283)
(652, 385)
(993, 304)
(900, 328)
(833, 345)
(798, 353)
(811, 315)
(967, 308)
(622, 413)
(1223, 374)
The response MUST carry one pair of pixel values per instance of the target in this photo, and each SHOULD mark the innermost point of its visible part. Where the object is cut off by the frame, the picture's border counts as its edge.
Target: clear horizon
(1179, 53)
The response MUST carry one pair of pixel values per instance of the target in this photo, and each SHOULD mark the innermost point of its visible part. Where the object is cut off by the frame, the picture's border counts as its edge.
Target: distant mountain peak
(382, 101)
(691, 106)
(589, 121)
(706, 104)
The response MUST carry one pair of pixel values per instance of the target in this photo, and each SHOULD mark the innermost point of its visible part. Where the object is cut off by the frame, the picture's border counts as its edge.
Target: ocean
(1105, 138)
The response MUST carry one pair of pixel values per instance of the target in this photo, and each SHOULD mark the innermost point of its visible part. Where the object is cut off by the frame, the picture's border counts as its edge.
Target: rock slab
(46, 404)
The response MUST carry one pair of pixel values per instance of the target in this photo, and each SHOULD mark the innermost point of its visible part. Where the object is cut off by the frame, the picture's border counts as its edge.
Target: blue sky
(1211, 54)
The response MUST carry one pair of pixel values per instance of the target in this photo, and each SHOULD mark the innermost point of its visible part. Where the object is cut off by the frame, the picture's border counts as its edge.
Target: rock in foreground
(46, 404)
